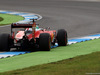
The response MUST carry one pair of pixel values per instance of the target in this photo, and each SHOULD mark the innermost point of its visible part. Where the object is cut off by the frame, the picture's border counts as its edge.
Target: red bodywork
(20, 34)
(37, 33)
(31, 35)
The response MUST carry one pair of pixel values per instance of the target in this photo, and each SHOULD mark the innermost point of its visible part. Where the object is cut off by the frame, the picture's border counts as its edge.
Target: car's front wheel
(62, 37)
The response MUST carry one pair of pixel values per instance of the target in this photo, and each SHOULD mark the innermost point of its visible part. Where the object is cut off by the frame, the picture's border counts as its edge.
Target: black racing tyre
(4, 42)
(45, 42)
(62, 37)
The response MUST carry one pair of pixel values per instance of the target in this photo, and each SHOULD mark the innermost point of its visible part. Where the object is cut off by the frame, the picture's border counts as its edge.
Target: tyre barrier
(27, 17)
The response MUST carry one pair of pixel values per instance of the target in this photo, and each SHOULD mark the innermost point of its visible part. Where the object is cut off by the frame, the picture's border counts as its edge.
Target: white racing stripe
(5, 56)
(73, 42)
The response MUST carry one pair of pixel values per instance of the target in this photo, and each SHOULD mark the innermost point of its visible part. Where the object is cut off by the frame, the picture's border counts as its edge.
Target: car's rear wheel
(45, 42)
(62, 37)
(4, 42)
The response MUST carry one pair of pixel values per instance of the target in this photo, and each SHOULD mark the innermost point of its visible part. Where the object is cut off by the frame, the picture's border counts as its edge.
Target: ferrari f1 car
(32, 37)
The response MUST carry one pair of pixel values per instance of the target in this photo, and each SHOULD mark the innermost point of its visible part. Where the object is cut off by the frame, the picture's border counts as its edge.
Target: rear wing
(21, 25)
(24, 25)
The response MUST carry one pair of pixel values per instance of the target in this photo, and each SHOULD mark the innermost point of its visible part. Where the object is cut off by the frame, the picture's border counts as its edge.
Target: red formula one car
(32, 37)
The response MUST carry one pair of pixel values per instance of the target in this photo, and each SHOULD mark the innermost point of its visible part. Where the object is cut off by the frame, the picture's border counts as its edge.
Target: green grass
(56, 54)
(8, 19)
(1, 19)
(80, 65)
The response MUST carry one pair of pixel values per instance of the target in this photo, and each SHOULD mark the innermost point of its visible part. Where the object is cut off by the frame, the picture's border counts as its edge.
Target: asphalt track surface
(78, 18)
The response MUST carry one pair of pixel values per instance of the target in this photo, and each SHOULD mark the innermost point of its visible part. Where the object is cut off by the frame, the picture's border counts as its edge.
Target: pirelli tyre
(4, 42)
(45, 42)
(62, 37)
